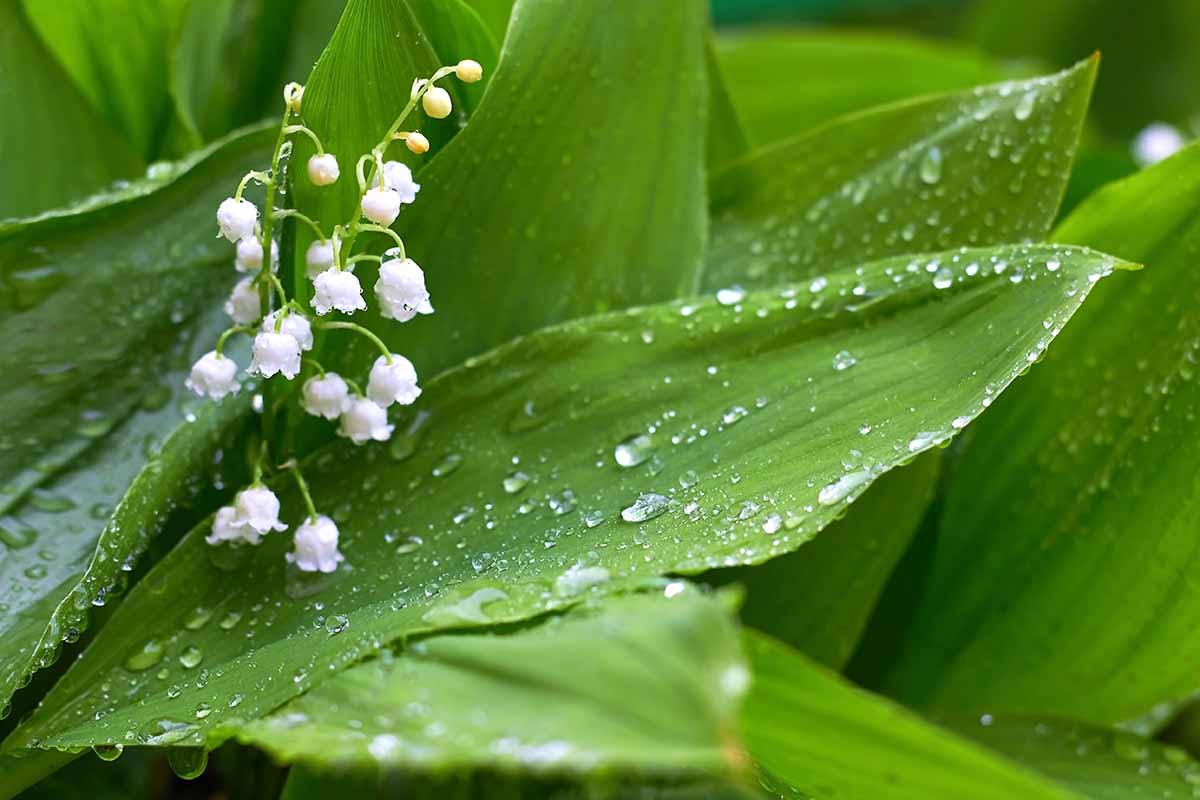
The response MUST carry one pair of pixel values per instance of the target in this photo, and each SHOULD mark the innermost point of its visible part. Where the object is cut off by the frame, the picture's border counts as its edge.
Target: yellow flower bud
(293, 93)
(436, 103)
(468, 71)
(416, 143)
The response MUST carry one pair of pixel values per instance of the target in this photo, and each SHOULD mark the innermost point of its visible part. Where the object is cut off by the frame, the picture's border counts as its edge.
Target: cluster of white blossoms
(285, 330)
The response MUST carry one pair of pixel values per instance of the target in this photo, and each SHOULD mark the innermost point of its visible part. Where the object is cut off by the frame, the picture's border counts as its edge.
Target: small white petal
(399, 178)
(275, 352)
(327, 396)
(393, 383)
(213, 375)
(236, 218)
(316, 544)
(381, 206)
(293, 324)
(226, 528)
(243, 305)
(337, 289)
(323, 169)
(417, 84)
(257, 507)
(364, 421)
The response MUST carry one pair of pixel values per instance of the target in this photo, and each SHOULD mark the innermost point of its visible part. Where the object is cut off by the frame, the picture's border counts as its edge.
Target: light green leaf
(1063, 579)
(727, 139)
(923, 175)
(53, 149)
(558, 199)
(495, 14)
(517, 454)
(100, 335)
(195, 62)
(819, 598)
(117, 52)
(788, 81)
(817, 736)
(1097, 763)
(639, 684)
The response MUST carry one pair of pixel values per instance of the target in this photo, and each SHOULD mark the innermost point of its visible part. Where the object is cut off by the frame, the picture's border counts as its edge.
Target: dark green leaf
(639, 685)
(799, 373)
(976, 168)
(101, 328)
(54, 148)
(817, 736)
(790, 80)
(819, 598)
(118, 53)
(1097, 763)
(1063, 580)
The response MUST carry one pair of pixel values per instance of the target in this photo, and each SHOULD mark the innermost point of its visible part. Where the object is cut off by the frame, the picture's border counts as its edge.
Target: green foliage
(731, 362)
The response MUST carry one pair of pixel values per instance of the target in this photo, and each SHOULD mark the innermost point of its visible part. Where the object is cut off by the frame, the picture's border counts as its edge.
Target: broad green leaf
(577, 187)
(819, 598)
(495, 15)
(816, 736)
(117, 52)
(1097, 763)
(1063, 579)
(195, 62)
(101, 330)
(638, 684)
(788, 81)
(53, 149)
(727, 139)
(976, 168)
(19, 772)
(504, 495)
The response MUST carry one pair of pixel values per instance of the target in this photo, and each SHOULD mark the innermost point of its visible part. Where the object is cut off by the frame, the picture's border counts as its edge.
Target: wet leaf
(586, 457)
(1063, 578)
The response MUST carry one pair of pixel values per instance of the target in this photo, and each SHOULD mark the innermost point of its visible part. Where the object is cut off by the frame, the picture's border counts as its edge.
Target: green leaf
(1097, 763)
(923, 175)
(19, 772)
(117, 52)
(726, 138)
(517, 454)
(788, 81)
(100, 335)
(817, 736)
(638, 684)
(495, 15)
(196, 62)
(560, 200)
(1062, 582)
(819, 598)
(55, 149)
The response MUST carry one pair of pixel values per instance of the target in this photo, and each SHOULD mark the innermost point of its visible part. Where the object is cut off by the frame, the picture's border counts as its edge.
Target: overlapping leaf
(504, 495)
(978, 167)
(1063, 581)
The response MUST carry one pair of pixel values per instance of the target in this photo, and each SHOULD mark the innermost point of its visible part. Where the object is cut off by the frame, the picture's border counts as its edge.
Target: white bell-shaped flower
(436, 103)
(293, 324)
(244, 305)
(401, 287)
(381, 206)
(318, 258)
(325, 396)
(316, 544)
(323, 169)
(364, 421)
(399, 178)
(337, 289)
(213, 375)
(250, 254)
(236, 218)
(393, 383)
(226, 528)
(257, 507)
(401, 312)
(275, 352)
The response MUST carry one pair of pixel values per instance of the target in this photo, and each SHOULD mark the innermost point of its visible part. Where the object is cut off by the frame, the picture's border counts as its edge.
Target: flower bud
(381, 206)
(468, 71)
(325, 396)
(257, 507)
(213, 375)
(393, 383)
(236, 218)
(293, 93)
(436, 103)
(416, 143)
(316, 546)
(275, 352)
(323, 169)
(364, 421)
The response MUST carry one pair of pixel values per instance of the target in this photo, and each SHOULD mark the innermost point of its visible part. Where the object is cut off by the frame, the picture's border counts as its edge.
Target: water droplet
(646, 507)
(231, 619)
(515, 482)
(634, 450)
(198, 618)
(593, 518)
(191, 657)
(187, 762)
(688, 479)
(922, 440)
(150, 654)
(1024, 106)
(164, 731)
(468, 609)
(931, 166)
(336, 624)
(734, 415)
(16, 535)
(943, 278)
(203, 710)
(839, 489)
(578, 579)
(844, 360)
(731, 296)
(409, 545)
(449, 463)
